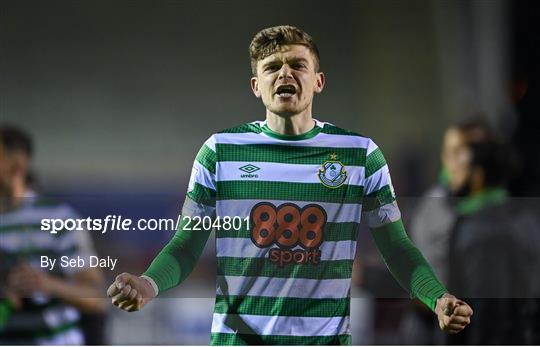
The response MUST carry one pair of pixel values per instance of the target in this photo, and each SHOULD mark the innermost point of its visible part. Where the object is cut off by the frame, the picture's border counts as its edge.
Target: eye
(271, 68)
(298, 66)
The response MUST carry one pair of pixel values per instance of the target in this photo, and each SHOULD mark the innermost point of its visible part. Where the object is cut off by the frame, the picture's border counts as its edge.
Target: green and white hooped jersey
(284, 277)
(42, 320)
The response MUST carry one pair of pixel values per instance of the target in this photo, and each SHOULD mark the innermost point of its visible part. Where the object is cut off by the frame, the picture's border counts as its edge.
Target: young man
(39, 306)
(302, 185)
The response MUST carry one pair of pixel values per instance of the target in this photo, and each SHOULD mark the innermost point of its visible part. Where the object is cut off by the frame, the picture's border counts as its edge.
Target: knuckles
(124, 295)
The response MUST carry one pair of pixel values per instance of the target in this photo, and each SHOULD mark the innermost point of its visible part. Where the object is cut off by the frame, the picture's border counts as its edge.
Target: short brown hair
(268, 41)
(14, 139)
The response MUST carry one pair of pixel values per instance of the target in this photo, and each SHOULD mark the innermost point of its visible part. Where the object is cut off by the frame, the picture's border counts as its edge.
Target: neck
(296, 124)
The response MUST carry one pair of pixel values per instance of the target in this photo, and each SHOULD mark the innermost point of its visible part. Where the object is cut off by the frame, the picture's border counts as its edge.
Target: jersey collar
(307, 135)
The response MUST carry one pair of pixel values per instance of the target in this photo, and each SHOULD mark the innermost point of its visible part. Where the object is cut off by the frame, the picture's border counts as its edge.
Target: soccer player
(303, 185)
(39, 306)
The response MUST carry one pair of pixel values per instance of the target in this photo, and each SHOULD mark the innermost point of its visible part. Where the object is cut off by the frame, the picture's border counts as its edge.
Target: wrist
(154, 290)
(442, 302)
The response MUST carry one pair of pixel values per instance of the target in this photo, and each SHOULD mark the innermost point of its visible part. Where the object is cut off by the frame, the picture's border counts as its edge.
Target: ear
(255, 87)
(321, 79)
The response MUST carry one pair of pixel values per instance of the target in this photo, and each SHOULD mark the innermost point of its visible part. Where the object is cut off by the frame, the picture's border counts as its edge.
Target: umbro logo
(249, 169)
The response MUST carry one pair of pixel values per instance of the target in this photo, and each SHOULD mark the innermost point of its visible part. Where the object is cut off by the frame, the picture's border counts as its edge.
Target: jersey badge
(332, 174)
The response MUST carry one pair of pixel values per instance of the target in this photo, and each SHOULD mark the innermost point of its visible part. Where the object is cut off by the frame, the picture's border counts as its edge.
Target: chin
(285, 113)
(286, 110)
(282, 111)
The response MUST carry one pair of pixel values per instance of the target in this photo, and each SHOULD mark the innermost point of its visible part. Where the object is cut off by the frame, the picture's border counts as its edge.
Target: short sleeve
(379, 205)
(201, 192)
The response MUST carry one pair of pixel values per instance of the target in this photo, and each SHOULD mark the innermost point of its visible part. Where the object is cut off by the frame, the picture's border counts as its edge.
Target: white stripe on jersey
(283, 287)
(279, 172)
(32, 215)
(203, 176)
(72, 337)
(377, 180)
(371, 146)
(281, 325)
(211, 143)
(18, 241)
(321, 140)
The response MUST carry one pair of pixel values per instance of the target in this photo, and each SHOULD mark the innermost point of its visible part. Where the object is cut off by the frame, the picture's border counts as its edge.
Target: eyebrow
(290, 60)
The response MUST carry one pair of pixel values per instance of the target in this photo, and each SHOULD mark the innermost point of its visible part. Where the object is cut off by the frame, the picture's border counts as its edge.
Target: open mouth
(286, 90)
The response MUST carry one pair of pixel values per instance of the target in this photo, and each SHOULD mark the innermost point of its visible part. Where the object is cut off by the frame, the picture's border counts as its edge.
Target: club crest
(332, 174)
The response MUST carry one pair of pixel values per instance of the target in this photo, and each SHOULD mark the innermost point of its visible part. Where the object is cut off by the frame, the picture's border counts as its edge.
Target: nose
(285, 72)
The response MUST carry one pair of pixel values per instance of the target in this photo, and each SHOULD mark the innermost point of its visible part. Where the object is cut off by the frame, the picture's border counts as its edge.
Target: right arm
(178, 258)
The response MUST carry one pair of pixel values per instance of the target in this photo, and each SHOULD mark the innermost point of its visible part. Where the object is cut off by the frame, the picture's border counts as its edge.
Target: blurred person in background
(493, 246)
(335, 175)
(38, 306)
(432, 223)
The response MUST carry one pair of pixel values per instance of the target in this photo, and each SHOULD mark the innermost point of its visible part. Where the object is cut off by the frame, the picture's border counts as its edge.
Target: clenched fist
(453, 314)
(130, 293)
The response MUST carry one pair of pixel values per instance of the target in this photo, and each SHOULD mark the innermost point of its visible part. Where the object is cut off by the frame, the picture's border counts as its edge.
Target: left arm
(407, 264)
(413, 273)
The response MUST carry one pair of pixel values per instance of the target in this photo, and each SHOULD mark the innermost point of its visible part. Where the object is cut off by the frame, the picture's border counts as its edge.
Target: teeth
(286, 95)
(286, 90)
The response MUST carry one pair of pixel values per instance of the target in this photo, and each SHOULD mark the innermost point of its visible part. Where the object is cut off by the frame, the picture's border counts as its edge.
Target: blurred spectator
(38, 306)
(432, 222)
(493, 248)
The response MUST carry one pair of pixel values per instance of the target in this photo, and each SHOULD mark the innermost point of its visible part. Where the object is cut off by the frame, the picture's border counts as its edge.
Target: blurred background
(119, 96)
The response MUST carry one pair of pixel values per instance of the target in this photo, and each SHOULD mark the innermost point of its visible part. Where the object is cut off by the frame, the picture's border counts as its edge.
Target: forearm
(407, 264)
(178, 258)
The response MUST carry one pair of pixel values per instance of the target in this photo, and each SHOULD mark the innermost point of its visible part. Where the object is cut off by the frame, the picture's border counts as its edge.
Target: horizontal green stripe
(333, 130)
(331, 269)
(272, 306)
(222, 339)
(347, 231)
(244, 128)
(203, 195)
(378, 198)
(289, 155)
(20, 227)
(207, 158)
(268, 190)
(375, 160)
(332, 232)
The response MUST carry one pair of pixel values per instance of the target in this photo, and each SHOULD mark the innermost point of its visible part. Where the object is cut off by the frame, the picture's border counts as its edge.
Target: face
(456, 158)
(13, 167)
(287, 80)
